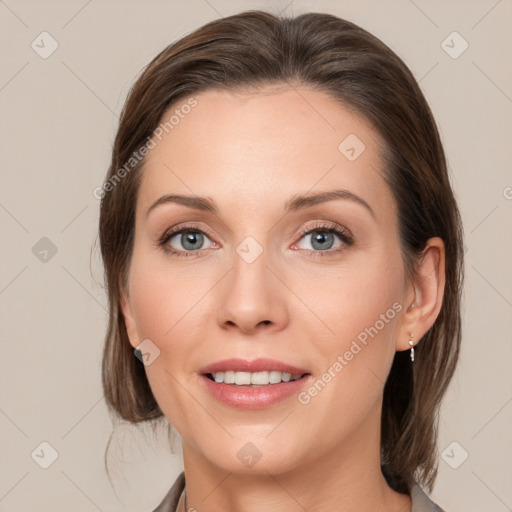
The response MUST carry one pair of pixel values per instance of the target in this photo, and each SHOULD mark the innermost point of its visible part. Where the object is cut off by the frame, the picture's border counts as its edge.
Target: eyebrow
(297, 202)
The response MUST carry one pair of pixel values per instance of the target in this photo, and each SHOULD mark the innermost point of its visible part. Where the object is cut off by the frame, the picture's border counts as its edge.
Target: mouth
(267, 385)
(253, 384)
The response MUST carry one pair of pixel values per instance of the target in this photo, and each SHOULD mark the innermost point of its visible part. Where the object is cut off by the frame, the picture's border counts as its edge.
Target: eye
(325, 238)
(186, 240)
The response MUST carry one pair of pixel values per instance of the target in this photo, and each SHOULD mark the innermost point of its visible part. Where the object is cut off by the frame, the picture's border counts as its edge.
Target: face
(285, 248)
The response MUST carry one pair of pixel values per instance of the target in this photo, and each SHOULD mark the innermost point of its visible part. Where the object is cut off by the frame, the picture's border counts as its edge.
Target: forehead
(268, 144)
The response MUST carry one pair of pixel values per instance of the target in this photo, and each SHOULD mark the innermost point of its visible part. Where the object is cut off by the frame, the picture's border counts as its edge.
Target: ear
(424, 296)
(129, 320)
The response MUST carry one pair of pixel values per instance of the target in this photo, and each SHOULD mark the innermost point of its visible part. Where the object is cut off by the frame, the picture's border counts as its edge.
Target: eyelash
(343, 234)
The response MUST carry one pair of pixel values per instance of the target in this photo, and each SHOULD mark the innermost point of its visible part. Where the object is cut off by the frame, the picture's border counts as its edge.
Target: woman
(282, 252)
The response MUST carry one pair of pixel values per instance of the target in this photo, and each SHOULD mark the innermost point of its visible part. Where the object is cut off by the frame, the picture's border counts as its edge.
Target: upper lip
(256, 365)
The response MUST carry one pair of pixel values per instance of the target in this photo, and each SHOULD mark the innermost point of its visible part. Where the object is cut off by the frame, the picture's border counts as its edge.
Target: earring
(411, 343)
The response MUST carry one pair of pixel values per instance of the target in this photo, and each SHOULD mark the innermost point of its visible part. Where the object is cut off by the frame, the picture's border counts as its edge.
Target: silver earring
(411, 343)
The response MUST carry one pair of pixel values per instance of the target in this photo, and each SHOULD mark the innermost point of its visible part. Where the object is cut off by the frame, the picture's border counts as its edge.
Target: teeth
(242, 378)
(256, 378)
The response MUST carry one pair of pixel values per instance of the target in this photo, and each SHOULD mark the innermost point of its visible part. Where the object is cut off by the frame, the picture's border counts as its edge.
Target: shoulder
(171, 499)
(421, 502)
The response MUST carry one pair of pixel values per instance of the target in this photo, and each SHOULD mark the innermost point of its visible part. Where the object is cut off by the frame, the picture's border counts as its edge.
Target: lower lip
(250, 397)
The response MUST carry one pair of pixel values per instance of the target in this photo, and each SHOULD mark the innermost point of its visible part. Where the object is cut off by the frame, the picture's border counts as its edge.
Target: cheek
(164, 301)
(359, 307)
(352, 297)
(162, 296)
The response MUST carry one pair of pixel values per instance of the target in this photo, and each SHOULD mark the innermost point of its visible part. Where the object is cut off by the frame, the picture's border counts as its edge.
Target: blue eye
(321, 240)
(186, 240)
(189, 240)
(325, 239)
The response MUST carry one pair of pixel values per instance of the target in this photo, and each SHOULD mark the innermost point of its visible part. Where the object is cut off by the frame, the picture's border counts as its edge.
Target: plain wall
(58, 119)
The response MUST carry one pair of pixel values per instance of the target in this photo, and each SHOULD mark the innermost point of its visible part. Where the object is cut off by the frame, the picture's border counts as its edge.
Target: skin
(250, 153)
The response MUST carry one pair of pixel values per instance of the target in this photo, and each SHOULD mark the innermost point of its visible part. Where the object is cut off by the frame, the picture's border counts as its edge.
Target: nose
(252, 298)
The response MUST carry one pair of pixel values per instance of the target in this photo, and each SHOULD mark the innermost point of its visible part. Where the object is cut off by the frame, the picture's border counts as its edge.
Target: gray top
(420, 501)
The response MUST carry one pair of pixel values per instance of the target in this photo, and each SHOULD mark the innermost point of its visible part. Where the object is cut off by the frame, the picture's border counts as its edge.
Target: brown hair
(254, 49)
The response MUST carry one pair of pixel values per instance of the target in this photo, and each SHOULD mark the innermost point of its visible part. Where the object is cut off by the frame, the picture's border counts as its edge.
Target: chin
(253, 455)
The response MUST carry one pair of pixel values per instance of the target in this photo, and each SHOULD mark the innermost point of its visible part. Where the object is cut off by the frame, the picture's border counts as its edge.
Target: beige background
(58, 119)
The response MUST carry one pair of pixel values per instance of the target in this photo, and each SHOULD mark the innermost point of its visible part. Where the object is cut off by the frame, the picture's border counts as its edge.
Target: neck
(346, 478)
